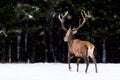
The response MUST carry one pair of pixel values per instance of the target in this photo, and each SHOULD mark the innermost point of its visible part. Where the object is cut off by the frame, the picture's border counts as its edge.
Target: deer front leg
(69, 59)
(69, 66)
(78, 60)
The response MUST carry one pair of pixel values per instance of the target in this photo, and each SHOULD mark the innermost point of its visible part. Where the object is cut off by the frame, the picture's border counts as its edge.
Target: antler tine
(65, 14)
(85, 16)
(89, 16)
(61, 17)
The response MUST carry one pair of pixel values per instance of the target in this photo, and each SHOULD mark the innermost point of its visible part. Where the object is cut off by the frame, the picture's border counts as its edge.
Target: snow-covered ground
(58, 71)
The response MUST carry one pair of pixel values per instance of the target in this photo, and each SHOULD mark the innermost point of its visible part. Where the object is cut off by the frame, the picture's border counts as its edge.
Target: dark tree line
(30, 30)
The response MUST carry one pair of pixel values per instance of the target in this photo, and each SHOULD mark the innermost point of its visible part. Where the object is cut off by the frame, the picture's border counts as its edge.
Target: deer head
(70, 32)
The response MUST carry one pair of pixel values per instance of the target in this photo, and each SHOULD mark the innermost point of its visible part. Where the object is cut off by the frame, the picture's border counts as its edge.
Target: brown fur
(79, 49)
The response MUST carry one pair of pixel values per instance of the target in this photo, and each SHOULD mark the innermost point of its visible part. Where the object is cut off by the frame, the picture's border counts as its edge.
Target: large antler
(85, 17)
(62, 18)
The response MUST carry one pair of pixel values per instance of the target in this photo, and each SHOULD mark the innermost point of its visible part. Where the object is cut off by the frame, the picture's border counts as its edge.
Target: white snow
(58, 71)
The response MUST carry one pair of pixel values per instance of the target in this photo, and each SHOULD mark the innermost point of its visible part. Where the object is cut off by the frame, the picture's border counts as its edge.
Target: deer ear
(74, 31)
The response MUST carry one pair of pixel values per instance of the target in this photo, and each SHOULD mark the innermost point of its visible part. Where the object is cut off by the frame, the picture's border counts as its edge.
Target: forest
(31, 32)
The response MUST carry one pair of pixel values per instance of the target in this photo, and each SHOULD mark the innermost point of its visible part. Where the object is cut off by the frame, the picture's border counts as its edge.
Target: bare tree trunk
(104, 52)
(26, 41)
(50, 18)
(9, 53)
(18, 44)
(51, 46)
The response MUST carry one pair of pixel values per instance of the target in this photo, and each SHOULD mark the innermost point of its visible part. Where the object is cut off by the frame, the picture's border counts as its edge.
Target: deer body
(78, 48)
(81, 48)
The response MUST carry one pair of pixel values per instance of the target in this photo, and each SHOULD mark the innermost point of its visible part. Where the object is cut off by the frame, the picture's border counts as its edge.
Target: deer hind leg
(94, 60)
(87, 64)
(78, 60)
(90, 53)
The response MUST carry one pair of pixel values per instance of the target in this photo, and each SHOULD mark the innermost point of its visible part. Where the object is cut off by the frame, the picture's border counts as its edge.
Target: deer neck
(70, 40)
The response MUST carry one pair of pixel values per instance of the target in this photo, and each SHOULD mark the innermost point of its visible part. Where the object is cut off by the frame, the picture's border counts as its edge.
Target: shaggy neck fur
(70, 40)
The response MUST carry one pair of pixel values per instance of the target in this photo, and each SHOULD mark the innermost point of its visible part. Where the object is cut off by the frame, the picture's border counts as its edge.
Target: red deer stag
(78, 48)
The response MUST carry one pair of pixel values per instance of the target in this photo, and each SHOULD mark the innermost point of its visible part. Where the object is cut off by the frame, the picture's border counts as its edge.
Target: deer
(76, 47)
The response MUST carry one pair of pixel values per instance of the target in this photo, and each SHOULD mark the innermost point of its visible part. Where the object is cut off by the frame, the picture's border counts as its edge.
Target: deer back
(79, 48)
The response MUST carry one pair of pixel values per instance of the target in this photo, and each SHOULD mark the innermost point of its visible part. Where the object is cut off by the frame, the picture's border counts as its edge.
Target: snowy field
(58, 71)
